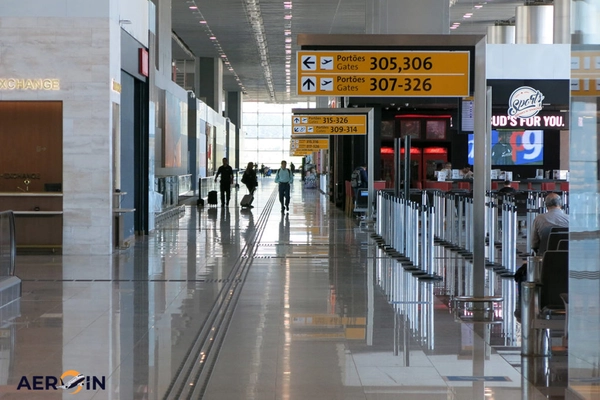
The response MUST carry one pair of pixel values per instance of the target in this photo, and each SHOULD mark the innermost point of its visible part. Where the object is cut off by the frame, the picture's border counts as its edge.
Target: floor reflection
(322, 313)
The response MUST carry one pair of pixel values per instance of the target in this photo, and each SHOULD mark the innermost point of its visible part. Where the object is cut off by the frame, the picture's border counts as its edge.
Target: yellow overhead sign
(383, 73)
(329, 124)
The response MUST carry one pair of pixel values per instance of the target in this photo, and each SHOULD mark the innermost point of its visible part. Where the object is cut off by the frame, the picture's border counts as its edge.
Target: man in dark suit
(226, 173)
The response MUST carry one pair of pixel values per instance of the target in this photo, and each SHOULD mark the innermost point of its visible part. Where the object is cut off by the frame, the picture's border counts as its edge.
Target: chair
(563, 245)
(559, 229)
(362, 201)
(554, 287)
(554, 238)
(548, 302)
(555, 280)
(545, 235)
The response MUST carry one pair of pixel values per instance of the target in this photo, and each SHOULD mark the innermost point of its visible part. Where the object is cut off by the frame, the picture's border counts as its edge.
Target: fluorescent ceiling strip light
(254, 15)
(195, 10)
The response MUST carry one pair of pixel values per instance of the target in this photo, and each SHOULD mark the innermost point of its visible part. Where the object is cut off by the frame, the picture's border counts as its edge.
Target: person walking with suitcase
(226, 173)
(284, 178)
(249, 179)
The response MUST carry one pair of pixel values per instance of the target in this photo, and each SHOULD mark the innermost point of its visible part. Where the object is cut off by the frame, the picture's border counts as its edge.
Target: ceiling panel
(228, 22)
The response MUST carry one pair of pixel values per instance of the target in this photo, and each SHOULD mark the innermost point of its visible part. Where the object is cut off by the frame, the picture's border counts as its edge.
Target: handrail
(8, 244)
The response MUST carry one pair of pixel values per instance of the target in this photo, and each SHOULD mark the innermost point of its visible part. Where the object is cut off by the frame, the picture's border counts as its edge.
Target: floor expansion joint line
(192, 376)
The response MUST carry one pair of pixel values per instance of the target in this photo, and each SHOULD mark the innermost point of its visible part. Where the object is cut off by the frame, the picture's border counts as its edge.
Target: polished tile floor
(226, 303)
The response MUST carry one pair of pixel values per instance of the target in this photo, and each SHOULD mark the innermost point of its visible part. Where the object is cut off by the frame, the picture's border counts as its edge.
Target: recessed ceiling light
(193, 8)
(203, 22)
(212, 38)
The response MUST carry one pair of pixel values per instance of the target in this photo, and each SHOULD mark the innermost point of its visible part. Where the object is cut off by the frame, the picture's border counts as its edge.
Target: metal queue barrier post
(491, 223)
(447, 222)
(529, 310)
(469, 224)
(513, 219)
(461, 204)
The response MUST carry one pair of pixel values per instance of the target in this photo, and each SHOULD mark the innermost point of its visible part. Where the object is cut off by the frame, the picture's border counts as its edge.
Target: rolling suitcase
(247, 200)
(212, 198)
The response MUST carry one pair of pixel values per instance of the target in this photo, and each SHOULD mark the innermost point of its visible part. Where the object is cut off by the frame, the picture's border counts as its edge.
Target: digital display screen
(410, 128)
(513, 148)
(435, 129)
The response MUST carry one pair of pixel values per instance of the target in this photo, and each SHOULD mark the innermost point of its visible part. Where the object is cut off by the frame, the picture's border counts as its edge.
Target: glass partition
(7, 244)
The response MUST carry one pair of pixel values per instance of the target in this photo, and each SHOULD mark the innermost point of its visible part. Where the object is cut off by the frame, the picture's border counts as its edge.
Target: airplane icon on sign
(327, 62)
(326, 84)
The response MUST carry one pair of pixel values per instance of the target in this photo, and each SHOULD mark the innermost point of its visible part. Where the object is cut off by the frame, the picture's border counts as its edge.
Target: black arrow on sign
(308, 62)
(307, 83)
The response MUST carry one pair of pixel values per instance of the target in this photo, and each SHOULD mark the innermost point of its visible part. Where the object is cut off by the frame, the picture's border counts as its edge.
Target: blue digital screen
(513, 148)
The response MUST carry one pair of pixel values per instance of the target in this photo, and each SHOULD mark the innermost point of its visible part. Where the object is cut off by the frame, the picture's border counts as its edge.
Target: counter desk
(551, 185)
(38, 218)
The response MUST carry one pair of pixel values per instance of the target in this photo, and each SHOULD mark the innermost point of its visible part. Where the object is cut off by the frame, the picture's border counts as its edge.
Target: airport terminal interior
(299, 304)
(442, 235)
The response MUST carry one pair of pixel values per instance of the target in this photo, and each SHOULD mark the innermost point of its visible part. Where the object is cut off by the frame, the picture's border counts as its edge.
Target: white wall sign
(538, 121)
(29, 84)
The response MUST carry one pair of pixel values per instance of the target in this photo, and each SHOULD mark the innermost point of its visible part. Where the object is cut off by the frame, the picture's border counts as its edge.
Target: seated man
(540, 230)
(543, 223)
(507, 188)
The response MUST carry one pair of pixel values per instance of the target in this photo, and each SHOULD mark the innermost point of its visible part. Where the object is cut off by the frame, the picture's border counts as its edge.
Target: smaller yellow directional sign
(300, 153)
(309, 144)
(338, 124)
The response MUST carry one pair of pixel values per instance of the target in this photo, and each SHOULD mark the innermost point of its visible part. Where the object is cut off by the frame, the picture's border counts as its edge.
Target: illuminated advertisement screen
(513, 148)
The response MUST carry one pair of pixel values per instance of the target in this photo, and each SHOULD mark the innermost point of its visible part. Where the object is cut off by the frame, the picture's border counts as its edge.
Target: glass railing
(8, 247)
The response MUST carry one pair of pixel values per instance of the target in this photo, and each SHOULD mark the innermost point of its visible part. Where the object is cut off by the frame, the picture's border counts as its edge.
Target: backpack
(355, 180)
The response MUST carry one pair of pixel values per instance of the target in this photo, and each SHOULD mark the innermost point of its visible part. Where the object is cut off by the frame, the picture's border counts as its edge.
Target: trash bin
(534, 269)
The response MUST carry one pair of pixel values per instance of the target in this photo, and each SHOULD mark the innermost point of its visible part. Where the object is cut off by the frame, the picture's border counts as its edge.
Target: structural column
(233, 111)
(211, 83)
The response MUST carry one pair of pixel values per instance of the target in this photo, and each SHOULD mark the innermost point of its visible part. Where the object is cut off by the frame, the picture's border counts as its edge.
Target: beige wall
(76, 51)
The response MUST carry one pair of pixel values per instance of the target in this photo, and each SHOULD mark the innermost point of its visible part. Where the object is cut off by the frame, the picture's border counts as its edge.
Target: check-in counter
(38, 218)
(544, 184)
(440, 185)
